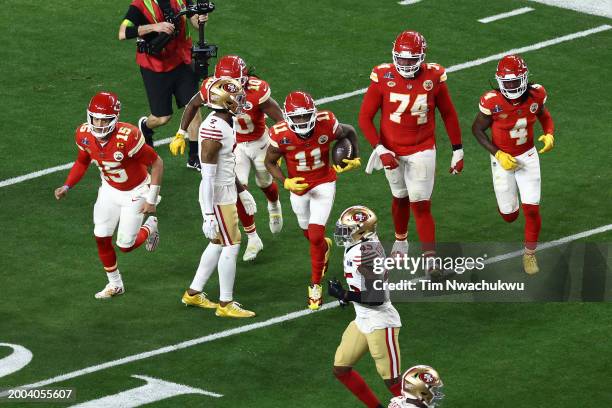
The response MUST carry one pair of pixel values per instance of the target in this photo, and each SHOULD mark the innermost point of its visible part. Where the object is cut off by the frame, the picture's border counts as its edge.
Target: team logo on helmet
(118, 156)
(230, 87)
(360, 217)
(323, 139)
(390, 84)
(533, 108)
(427, 378)
(428, 85)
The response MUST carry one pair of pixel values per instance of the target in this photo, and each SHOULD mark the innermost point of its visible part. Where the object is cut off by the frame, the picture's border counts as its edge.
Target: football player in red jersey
(253, 140)
(510, 112)
(304, 139)
(127, 191)
(407, 93)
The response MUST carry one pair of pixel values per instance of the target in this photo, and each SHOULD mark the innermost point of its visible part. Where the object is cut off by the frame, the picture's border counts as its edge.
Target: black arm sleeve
(356, 297)
(136, 17)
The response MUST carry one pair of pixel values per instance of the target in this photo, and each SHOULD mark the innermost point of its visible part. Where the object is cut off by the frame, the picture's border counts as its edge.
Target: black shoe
(194, 163)
(146, 131)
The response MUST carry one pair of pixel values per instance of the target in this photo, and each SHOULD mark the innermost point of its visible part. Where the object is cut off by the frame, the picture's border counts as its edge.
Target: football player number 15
(110, 172)
(419, 107)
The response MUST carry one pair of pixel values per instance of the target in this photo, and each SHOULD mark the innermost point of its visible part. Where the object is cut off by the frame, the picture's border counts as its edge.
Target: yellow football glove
(294, 185)
(350, 165)
(178, 143)
(507, 161)
(549, 142)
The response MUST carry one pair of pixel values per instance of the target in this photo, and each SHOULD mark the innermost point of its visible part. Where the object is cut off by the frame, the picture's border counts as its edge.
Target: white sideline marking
(454, 68)
(595, 7)
(270, 322)
(19, 358)
(507, 14)
(407, 2)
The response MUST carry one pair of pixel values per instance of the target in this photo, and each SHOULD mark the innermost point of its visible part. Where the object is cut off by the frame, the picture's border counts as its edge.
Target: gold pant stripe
(227, 218)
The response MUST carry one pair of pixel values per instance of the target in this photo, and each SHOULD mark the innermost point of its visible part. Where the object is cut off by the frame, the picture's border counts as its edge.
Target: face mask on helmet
(409, 53)
(407, 64)
(301, 121)
(512, 86)
(101, 125)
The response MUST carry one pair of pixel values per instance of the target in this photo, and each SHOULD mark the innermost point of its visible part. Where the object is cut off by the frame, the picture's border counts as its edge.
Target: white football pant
(525, 181)
(414, 177)
(314, 206)
(253, 153)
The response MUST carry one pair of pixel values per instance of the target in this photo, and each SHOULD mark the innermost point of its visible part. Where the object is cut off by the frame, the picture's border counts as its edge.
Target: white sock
(114, 278)
(208, 261)
(252, 235)
(227, 272)
(273, 205)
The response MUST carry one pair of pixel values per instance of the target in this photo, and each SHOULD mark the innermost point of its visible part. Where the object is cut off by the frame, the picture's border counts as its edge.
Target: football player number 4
(419, 107)
(303, 165)
(519, 131)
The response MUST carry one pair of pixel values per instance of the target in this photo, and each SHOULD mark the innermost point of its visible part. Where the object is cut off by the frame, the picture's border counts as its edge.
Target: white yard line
(407, 2)
(454, 68)
(595, 7)
(270, 322)
(507, 14)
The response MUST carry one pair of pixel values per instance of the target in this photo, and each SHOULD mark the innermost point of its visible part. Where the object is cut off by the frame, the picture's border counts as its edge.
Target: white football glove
(210, 228)
(248, 202)
(456, 162)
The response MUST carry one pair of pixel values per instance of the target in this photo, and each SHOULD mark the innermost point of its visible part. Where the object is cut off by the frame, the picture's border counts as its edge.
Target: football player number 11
(419, 107)
(302, 164)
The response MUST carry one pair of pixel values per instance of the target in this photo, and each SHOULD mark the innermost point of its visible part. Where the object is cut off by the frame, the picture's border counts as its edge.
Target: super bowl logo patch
(285, 141)
(118, 156)
(497, 108)
(323, 139)
(389, 75)
(390, 84)
(248, 106)
(533, 108)
(85, 141)
(428, 85)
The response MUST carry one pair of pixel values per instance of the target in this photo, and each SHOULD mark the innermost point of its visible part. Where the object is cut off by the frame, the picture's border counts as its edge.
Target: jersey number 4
(419, 107)
(519, 131)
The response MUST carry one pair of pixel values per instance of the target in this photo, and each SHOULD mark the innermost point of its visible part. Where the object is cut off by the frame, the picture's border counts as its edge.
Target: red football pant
(106, 253)
(400, 210)
(425, 225)
(143, 234)
(356, 385)
(533, 224)
(247, 221)
(271, 192)
(318, 247)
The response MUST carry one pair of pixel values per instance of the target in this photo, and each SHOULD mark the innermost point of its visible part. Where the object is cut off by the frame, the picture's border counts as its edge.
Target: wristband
(457, 146)
(152, 195)
(182, 133)
(131, 32)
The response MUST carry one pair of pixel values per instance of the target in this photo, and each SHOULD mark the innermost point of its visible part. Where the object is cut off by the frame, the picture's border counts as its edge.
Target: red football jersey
(117, 159)
(407, 120)
(512, 128)
(251, 123)
(308, 158)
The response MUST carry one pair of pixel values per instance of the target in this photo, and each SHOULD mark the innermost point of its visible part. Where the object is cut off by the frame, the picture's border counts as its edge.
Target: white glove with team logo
(248, 202)
(210, 226)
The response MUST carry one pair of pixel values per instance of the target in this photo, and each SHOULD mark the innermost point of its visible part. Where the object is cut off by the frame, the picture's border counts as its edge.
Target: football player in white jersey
(377, 323)
(421, 388)
(219, 191)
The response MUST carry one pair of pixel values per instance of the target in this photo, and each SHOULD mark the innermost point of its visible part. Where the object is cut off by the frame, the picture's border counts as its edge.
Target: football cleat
(109, 291)
(198, 300)
(530, 264)
(254, 246)
(315, 297)
(194, 163)
(153, 240)
(276, 216)
(147, 133)
(400, 248)
(233, 309)
(329, 243)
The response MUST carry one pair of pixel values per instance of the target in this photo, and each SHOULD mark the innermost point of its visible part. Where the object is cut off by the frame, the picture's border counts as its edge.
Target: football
(343, 149)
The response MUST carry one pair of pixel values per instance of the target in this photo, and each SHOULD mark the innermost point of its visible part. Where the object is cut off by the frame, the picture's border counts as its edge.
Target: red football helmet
(511, 75)
(300, 112)
(409, 51)
(104, 106)
(232, 66)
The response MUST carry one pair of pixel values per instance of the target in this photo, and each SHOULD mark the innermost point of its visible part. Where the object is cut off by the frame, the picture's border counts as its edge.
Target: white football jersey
(400, 402)
(368, 318)
(215, 128)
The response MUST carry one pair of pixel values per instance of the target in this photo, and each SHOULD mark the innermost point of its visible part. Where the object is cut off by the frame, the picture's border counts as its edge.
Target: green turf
(490, 354)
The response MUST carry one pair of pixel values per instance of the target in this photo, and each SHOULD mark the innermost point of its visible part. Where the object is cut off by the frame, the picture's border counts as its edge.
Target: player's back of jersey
(217, 129)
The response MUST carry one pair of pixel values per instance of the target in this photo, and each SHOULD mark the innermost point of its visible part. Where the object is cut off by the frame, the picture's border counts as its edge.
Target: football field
(146, 346)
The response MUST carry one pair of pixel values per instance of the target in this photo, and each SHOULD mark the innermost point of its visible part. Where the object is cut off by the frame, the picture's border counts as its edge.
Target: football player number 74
(419, 107)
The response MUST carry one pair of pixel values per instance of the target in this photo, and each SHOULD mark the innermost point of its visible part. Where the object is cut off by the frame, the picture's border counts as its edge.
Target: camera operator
(164, 56)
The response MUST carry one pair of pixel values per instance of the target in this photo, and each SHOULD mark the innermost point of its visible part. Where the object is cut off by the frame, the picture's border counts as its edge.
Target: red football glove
(387, 157)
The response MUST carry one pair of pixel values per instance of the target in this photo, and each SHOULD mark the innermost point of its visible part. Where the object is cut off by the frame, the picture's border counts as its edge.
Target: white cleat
(253, 247)
(153, 240)
(400, 248)
(276, 217)
(109, 291)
